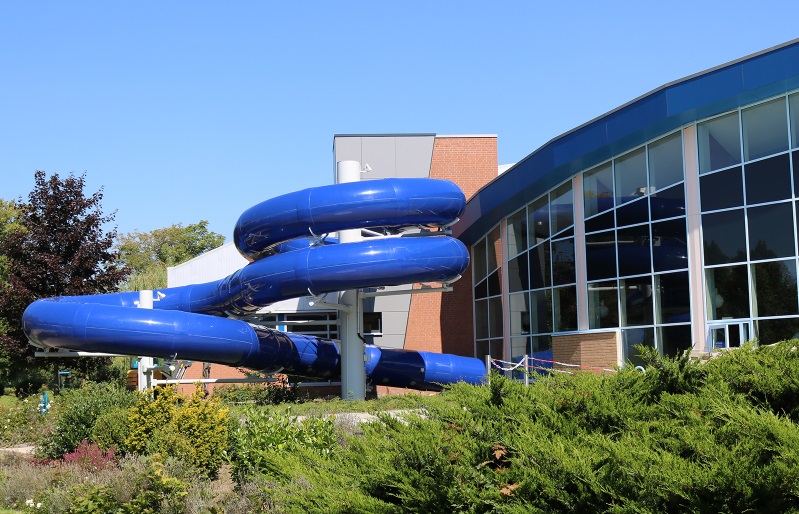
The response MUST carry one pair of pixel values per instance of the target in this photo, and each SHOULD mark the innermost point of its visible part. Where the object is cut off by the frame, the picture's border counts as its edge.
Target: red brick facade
(589, 351)
(443, 322)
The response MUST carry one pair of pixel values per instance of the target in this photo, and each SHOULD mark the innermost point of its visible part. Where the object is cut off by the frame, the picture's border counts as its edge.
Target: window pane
(603, 301)
(724, 237)
(675, 340)
(519, 348)
(519, 314)
(765, 129)
(768, 180)
(636, 301)
(517, 232)
(633, 213)
(518, 274)
(669, 245)
(604, 221)
(492, 348)
(770, 331)
(479, 260)
(598, 189)
(793, 106)
(539, 220)
(493, 249)
(495, 317)
(494, 281)
(564, 304)
(727, 292)
(481, 319)
(673, 298)
(539, 266)
(665, 161)
(541, 311)
(634, 256)
(600, 255)
(542, 353)
(722, 190)
(562, 207)
(481, 289)
(563, 262)
(771, 231)
(630, 176)
(668, 203)
(774, 285)
(719, 143)
(633, 337)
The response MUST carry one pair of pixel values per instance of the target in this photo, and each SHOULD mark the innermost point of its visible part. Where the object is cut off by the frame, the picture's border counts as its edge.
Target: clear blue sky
(185, 111)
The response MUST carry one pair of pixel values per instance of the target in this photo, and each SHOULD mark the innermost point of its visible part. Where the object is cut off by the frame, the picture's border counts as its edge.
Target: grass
(6, 401)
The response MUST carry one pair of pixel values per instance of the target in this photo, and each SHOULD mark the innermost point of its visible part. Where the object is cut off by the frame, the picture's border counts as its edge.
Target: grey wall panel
(347, 148)
(389, 341)
(380, 153)
(414, 156)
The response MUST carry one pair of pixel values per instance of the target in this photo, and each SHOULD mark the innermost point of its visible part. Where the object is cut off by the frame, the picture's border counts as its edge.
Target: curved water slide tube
(198, 322)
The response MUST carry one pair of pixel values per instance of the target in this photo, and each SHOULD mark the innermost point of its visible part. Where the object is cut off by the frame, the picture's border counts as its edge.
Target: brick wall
(590, 350)
(443, 322)
(195, 372)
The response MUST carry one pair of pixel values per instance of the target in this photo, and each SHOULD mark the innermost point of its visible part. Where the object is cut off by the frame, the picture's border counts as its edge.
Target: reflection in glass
(793, 107)
(541, 311)
(673, 298)
(771, 231)
(632, 337)
(603, 305)
(724, 237)
(600, 255)
(604, 221)
(765, 129)
(675, 340)
(630, 173)
(492, 348)
(518, 274)
(493, 250)
(636, 301)
(517, 232)
(481, 289)
(562, 207)
(519, 348)
(774, 285)
(668, 203)
(634, 248)
(519, 314)
(770, 331)
(494, 281)
(495, 317)
(539, 266)
(669, 245)
(542, 353)
(768, 180)
(539, 220)
(727, 293)
(564, 304)
(481, 319)
(633, 213)
(719, 143)
(722, 190)
(665, 161)
(479, 260)
(563, 262)
(598, 189)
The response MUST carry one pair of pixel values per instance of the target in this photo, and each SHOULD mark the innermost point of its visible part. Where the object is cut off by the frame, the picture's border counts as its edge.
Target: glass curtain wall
(487, 275)
(748, 195)
(636, 247)
(542, 295)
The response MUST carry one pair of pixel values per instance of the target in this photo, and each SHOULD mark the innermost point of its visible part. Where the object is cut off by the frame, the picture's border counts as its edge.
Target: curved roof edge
(725, 87)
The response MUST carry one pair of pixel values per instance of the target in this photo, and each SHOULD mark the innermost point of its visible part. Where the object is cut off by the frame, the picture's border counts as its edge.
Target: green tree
(149, 253)
(52, 245)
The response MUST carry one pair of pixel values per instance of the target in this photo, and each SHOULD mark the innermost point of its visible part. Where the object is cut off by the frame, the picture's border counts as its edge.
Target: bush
(194, 429)
(77, 412)
(258, 394)
(111, 429)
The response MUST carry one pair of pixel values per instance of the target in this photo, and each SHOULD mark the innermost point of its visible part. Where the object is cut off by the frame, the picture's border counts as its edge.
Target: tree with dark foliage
(61, 250)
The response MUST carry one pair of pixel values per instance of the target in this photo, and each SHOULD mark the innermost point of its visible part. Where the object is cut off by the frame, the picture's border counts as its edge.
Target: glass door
(727, 334)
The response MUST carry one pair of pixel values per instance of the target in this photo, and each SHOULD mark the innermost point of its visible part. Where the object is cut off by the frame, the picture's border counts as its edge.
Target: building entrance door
(727, 334)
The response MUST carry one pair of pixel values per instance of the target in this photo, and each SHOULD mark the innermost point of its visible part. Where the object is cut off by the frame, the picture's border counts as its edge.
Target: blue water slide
(284, 239)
